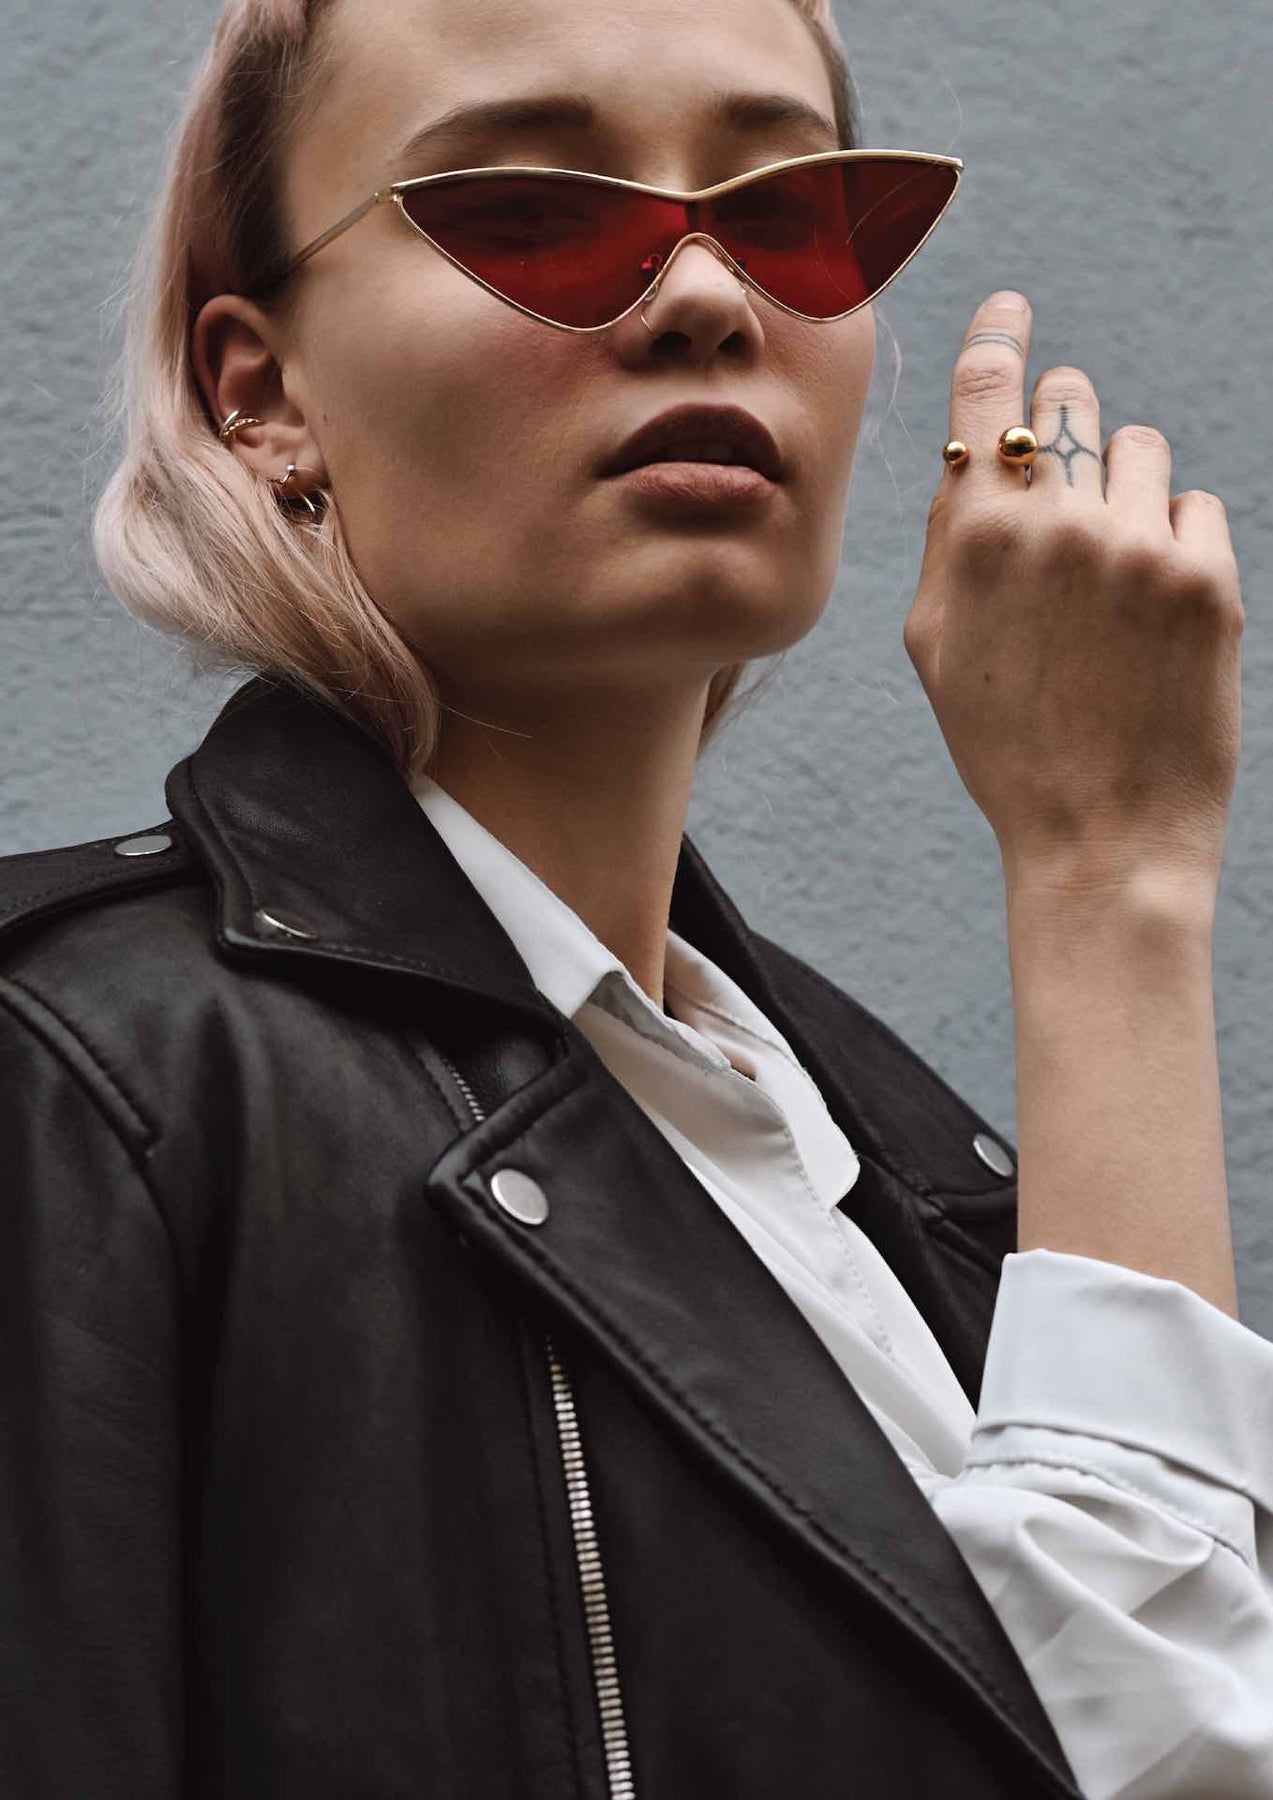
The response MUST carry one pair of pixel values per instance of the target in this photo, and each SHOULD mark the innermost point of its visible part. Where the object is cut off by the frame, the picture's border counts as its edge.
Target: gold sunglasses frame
(393, 194)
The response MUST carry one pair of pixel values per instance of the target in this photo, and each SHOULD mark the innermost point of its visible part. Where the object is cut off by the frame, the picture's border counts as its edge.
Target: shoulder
(108, 962)
(69, 903)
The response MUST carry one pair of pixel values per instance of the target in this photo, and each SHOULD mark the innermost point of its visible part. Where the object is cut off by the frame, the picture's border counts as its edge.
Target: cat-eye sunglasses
(818, 235)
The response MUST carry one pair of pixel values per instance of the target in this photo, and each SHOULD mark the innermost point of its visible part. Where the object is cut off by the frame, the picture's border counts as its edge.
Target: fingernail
(1009, 297)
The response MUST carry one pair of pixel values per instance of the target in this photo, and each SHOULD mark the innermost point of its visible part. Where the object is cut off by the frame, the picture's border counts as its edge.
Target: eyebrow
(484, 119)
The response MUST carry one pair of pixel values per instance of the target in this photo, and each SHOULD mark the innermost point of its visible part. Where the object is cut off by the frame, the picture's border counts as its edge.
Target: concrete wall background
(1118, 170)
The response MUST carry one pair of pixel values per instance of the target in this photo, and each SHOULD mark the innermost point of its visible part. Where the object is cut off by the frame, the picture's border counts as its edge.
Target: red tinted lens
(827, 237)
(576, 251)
(820, 239)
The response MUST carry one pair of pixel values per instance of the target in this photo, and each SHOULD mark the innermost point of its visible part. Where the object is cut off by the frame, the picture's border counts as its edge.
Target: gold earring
(235, 421)
(281, 481)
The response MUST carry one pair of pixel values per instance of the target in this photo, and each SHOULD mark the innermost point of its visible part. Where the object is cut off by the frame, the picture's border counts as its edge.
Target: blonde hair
(189, 540)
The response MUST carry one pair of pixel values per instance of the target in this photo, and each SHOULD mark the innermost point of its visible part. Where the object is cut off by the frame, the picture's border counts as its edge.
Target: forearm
(1119, 1130)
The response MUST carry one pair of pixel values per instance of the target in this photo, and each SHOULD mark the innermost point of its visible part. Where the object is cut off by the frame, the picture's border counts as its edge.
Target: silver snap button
(993, 1155)
(144, 846)
(285, 922)
(521, 1198)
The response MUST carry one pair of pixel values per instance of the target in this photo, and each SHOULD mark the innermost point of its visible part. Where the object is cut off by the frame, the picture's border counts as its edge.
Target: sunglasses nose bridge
(694, 235)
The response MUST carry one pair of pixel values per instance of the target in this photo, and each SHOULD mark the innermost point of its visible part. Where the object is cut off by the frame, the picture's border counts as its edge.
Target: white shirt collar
(571, 967)
(565, 958)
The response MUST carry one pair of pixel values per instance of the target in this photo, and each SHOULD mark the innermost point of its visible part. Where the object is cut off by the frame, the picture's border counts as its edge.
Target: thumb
(921, 633)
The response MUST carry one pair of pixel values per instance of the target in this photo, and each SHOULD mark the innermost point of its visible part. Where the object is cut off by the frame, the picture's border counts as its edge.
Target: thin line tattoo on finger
(995, 337)
(1066, 452)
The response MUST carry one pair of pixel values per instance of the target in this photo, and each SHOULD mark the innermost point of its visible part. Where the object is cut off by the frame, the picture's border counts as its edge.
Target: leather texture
(282, 1505)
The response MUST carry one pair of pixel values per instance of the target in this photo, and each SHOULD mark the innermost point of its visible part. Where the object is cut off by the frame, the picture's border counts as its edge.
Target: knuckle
(1231, 616)
(1151, 574)
(1138, 565)
(1141, 437)
(984, 380)
(1204, 497)
(1065, 385)
(984, 534)
(1206, 591)
(1075, 541)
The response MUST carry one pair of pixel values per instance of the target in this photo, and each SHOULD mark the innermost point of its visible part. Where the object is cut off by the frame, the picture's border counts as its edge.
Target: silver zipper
(614, 1734)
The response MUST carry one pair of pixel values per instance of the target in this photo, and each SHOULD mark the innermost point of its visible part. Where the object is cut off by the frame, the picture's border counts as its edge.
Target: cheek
(436, 401)
(425, 390)
(839, 363)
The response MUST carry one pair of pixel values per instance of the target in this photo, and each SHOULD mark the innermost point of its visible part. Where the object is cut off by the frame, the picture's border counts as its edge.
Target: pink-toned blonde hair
(191, 541)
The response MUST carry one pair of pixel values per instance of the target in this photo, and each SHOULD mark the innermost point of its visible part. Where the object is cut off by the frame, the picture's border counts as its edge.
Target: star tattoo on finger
(1065, 446)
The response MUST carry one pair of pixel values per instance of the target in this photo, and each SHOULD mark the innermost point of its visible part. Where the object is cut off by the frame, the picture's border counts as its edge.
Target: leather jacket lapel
(639, 1259)
(922, 1196)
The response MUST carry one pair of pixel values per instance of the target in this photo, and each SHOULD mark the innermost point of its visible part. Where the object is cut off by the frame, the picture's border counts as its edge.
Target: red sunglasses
(818, 235)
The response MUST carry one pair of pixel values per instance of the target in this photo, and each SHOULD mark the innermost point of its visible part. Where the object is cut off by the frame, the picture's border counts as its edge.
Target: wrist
(1068, 899)
(1079, 949)
(1119, 1124)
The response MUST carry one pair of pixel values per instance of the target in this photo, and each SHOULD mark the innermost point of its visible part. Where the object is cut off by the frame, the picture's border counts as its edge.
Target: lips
(696, 433)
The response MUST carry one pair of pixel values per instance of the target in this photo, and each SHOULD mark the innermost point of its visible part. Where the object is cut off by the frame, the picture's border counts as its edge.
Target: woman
(478, 1319)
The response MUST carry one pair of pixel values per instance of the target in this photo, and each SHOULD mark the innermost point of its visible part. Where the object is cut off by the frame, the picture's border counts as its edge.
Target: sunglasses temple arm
(350, 218)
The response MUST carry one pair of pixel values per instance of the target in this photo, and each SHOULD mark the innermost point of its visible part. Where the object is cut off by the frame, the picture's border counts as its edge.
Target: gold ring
(1018, 446)
(955, 454)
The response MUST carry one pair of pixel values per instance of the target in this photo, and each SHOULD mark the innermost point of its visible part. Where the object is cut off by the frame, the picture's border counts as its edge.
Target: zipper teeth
(605, 1674)
(467, 1091)
(592, 1581)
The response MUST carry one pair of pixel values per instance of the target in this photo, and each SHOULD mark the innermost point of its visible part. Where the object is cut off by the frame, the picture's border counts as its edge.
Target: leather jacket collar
(301, 816)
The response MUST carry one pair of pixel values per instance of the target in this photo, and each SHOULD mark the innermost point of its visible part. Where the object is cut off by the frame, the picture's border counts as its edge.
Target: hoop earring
(281, 481)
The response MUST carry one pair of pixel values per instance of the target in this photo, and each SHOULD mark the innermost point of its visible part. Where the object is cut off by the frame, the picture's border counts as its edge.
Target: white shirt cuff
(1080, 1345)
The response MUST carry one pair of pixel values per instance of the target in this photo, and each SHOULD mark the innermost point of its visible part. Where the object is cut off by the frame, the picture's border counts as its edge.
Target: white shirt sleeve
(1116, 1509)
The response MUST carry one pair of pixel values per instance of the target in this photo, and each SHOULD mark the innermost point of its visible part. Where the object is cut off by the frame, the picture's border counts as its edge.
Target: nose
(694, 245)
(699, 260)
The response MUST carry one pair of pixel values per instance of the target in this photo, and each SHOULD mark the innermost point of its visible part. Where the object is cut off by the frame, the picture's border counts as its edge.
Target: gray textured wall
(1118, 170)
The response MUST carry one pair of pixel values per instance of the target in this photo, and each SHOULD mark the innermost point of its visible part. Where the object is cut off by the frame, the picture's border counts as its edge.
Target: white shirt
(1113, 1491)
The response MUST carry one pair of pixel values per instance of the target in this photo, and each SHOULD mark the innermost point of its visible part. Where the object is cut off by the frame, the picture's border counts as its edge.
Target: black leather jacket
(322, 1476)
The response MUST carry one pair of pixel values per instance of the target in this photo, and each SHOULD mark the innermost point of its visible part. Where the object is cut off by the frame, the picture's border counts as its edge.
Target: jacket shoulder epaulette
(43, 884)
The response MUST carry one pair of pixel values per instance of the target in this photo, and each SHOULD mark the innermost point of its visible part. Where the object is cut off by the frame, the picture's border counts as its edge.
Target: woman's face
(462, 438)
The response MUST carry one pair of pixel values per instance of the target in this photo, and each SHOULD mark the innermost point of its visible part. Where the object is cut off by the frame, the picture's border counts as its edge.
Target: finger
(1200, 518)
(1065, 416)
(1138, 480)
(987, 389)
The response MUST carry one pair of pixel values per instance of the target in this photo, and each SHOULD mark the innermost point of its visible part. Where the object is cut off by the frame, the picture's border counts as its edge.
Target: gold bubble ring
(1018, 446)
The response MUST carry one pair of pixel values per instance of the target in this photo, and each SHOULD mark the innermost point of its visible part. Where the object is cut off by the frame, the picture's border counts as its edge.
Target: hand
(1080, 648)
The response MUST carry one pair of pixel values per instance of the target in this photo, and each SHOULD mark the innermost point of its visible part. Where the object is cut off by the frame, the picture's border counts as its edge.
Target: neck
(592, 794)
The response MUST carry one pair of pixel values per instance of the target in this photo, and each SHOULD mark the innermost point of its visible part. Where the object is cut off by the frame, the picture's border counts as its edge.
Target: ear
(233, 350)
